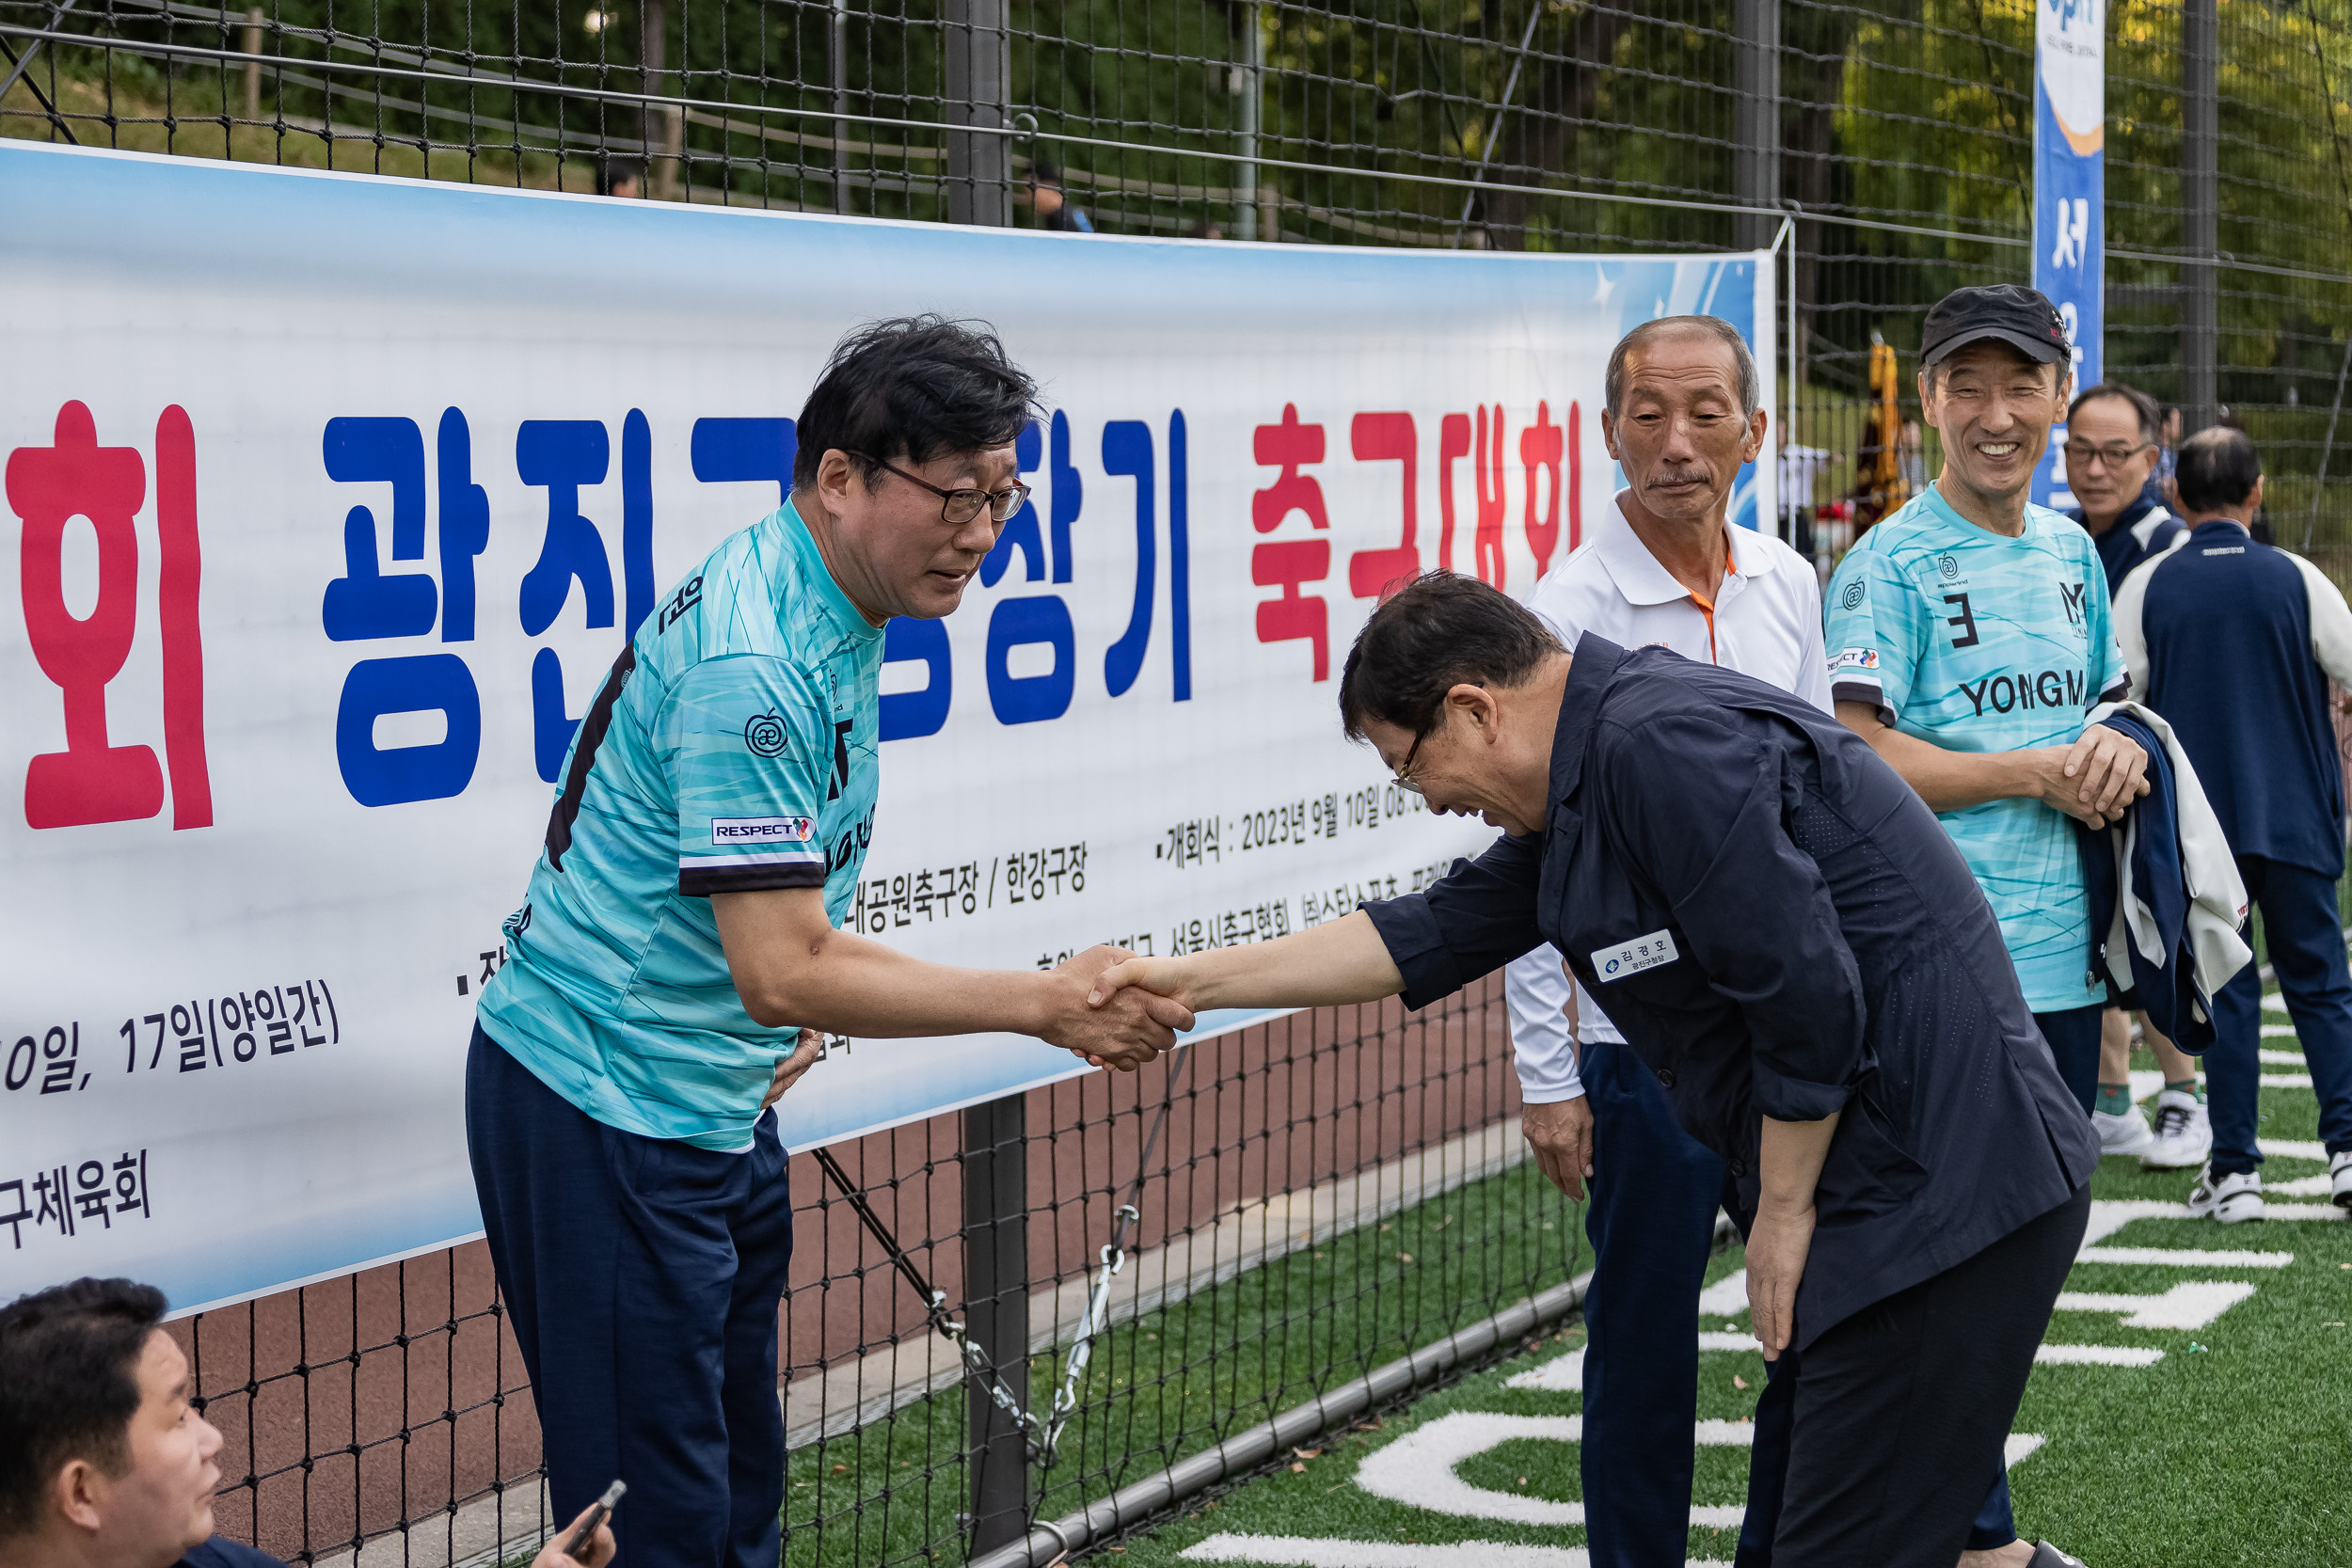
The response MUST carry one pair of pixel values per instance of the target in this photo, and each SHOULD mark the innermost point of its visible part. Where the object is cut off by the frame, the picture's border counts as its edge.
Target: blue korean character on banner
(367, 604)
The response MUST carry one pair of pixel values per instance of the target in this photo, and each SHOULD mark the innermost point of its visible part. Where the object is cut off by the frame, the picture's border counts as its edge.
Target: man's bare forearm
(1324, 966)
(1946, 780)
(1789, 1161)
(790, 973)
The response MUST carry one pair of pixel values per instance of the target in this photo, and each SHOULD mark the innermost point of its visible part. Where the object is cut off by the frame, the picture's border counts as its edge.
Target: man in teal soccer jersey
(1968, 635)
(681, 934)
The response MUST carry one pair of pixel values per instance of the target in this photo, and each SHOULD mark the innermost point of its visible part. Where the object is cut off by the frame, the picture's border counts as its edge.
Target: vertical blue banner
(2070, 194)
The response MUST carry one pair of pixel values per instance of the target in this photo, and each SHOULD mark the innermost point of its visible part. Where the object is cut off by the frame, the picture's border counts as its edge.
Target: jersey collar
(1945, 514)
(814, 571)
(1637, 573)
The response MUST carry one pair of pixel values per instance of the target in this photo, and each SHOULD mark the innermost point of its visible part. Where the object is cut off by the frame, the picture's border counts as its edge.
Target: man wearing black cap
(1969, 634)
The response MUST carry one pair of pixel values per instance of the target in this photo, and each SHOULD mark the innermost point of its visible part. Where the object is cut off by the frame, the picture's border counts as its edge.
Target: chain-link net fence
(1321, 1196)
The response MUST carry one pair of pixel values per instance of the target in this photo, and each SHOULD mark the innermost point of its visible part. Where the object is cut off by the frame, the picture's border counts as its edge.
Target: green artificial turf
(2236, 1448)
(1176, 1381)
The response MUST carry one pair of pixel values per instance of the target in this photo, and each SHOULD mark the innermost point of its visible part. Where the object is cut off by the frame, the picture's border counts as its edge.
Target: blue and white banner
(279, 713)
(2070, 178)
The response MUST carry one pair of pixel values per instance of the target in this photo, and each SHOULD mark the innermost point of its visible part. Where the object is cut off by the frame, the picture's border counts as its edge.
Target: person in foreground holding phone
(105, 1461)
(1788, 938)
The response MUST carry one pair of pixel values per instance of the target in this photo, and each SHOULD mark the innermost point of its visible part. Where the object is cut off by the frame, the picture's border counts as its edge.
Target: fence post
(980, 92)
(996, 1312)
(2201, 212)
(1755, 123)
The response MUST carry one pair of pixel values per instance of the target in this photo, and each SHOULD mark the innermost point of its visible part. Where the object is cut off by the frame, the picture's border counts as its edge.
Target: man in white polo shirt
(1663, 567)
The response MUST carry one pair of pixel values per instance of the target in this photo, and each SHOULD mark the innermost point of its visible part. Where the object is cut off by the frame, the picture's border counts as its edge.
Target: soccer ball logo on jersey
(764, 734)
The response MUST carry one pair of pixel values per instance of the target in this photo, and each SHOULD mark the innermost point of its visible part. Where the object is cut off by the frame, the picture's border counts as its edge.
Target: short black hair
(1437, 632)
(2150, 417)
(909, 389)
(1045, 171)
(2217, 469)
(1743, 362)
(611, 170)
(69, 1385)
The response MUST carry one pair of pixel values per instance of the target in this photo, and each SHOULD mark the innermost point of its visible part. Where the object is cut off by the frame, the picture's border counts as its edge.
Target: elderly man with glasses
(679, 956)
(2113, 433)
(1663, 566)
(1797, 954)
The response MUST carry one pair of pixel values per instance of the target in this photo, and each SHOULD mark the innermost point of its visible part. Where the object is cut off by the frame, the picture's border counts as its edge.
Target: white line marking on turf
(2281, 1058)
(2191, 1303)
(1561, 1374)
(2184, 1258)
(2277, 1031)
(2294, 1149)
(2020, 1448)
(1730, 1342)
(1418, 1469)
(2286, 1080)
(2305, 1211)
(1305, 1552)
(1727, 1297)
(2096, 1355)
(2145, 1083)
(2302, 1186)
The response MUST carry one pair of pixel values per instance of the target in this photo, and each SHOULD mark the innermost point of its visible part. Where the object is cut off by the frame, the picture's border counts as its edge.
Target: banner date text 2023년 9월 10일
(336, 497)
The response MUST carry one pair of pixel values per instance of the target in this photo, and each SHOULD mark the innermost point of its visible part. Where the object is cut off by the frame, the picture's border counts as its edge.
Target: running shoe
(2183, 1133)
(2232, 1199)
(2123, 1132)
(2340, 1180)
(2047, 1555)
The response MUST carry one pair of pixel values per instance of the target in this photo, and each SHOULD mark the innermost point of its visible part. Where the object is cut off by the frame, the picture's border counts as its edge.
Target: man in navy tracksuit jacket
(2233, 642)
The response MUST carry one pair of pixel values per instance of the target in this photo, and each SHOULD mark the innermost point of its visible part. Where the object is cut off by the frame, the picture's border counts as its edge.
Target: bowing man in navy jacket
(1788, 938)
(2233, 642)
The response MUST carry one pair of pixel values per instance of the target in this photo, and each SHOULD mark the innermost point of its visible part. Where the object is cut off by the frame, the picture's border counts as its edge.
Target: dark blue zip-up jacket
(2125, 545)
(2232, 641)
(1792, 933)
(2167, 990)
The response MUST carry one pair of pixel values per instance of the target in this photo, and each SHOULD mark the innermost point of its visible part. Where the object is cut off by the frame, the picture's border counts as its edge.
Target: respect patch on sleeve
(731, 832)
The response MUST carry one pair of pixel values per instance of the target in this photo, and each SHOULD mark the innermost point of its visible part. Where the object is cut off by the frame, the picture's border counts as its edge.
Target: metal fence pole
(1249, 74)
(996, 1312)
(1755, 123)
(2201, 212)
(980, 92)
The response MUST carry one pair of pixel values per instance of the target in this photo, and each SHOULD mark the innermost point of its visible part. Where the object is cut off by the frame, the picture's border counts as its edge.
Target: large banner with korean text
(334, 497)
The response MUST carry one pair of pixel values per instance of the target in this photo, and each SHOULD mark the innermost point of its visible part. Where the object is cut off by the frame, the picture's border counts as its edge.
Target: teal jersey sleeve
(750, 744)
(1874, 629)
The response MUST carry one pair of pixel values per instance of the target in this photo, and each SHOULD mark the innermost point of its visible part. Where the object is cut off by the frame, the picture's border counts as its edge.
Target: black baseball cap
(2023, 318)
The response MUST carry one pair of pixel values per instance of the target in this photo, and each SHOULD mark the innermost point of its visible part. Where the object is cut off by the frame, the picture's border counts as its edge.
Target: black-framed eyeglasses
(960, 507)
(2114, 455)
(1404, 768)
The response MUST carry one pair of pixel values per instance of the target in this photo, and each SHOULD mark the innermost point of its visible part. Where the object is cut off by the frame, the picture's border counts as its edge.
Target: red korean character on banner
(1453, 443)
(1290, 446)
(1541, 446)
(93, 779)
(1486, 475)
(1386, 438)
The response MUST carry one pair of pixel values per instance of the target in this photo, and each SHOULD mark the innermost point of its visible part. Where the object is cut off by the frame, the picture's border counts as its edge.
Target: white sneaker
(2123, 1132)
(2230, 1199)
(2340, 1180)
(2183, 1139)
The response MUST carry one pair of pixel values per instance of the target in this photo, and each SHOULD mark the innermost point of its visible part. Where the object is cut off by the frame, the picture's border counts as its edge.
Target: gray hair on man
(1751, 387)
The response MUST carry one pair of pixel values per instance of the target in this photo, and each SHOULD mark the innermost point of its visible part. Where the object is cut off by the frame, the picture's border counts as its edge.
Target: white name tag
(1615, 963)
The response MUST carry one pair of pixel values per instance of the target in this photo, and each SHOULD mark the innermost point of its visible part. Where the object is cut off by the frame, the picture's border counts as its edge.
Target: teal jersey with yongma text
(731, 750)
(1979, 643)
